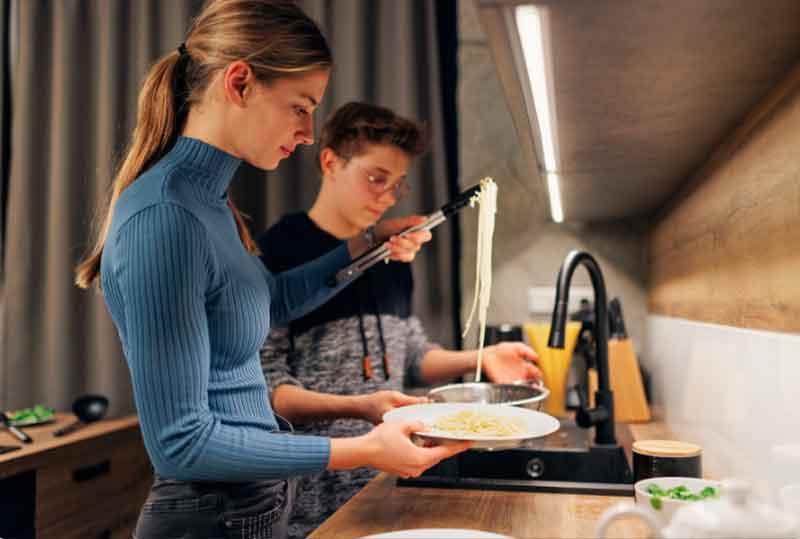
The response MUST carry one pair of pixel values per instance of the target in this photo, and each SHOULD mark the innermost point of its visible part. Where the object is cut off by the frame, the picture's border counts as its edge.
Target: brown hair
(352, 126)
(274, 37)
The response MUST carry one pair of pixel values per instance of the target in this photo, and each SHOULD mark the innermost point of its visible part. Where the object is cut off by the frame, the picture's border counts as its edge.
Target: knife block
(630, 403)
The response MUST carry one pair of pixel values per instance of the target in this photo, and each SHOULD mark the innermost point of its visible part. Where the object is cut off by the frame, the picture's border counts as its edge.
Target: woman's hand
(393, 451)
(509, 362)
(373, 406)
(403, 248)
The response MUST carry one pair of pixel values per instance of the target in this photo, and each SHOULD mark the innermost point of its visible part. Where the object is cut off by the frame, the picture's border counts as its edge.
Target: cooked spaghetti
(474, 423)
(483, 273)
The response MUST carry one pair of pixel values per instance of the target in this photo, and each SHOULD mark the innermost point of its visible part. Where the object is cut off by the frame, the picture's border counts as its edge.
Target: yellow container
(554, 362)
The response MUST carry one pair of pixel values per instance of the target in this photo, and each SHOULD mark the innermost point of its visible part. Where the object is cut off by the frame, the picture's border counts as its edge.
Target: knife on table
(14, 430)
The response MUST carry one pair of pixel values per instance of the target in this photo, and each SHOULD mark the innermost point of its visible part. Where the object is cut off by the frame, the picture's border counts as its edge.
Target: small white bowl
(669, 506)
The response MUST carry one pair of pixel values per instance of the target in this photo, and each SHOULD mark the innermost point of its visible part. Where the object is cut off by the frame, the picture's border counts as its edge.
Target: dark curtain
(5, 152)
(77, 69)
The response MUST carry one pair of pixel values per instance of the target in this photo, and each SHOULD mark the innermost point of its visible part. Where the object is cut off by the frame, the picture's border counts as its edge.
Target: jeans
(212, 510)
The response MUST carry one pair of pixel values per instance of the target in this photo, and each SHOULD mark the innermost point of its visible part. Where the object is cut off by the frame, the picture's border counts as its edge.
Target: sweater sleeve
(164, 269)
(275, 359)
(300, 290)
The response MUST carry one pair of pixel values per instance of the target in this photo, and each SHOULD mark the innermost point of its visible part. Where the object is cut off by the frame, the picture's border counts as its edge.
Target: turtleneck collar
(218, 167)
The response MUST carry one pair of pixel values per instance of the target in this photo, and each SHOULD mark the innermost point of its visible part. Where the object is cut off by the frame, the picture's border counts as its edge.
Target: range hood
(638, 94)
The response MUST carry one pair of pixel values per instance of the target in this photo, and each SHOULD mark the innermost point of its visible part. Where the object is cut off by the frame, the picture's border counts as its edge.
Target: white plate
(537, 424)
(31, 422)
(437, 533)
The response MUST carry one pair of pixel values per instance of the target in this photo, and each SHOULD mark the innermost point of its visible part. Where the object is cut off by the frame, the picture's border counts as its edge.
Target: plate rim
(31, 423)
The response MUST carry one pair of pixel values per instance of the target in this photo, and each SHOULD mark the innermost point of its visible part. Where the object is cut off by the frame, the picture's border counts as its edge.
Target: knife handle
(19, 434)
(616, 321)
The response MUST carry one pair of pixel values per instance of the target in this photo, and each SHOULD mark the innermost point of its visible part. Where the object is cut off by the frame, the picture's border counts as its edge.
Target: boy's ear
(328, 161)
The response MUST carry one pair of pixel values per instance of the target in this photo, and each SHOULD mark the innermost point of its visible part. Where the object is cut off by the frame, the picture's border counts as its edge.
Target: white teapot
(732, 516)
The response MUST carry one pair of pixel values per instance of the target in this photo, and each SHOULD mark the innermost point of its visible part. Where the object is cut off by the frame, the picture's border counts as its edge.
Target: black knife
(14, 430)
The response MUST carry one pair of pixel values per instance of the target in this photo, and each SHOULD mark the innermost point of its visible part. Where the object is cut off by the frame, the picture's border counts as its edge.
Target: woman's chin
(266, 165)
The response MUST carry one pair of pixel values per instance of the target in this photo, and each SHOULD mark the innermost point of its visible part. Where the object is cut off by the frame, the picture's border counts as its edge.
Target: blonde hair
(274, 37)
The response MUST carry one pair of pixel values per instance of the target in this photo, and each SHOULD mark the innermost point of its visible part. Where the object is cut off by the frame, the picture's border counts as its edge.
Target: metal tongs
(372, 257)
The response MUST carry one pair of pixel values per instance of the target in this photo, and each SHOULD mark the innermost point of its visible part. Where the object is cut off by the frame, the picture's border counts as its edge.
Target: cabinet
(88, 484)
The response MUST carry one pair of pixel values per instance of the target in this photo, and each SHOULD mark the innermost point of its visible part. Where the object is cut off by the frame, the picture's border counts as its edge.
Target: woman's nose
(306, 133)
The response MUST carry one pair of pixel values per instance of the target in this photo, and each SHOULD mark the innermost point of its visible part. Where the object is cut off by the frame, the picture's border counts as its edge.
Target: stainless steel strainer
(530, 396)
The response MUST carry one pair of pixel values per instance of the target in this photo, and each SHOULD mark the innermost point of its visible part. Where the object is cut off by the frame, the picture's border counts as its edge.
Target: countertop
(382, 506)
(45, 444)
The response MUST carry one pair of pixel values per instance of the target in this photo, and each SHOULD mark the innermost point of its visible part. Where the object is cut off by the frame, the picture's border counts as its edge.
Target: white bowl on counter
(668, 506)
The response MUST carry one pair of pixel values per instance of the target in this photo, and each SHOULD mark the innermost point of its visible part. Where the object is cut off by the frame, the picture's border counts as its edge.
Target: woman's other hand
(373, 406)
(392, 450)
(509, 362)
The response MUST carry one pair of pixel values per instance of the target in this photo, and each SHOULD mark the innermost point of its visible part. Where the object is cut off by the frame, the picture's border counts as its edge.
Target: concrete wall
(528, 248)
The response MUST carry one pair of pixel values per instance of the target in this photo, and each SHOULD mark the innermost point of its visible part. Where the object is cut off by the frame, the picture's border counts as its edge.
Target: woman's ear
(328, 161)
(238, 82)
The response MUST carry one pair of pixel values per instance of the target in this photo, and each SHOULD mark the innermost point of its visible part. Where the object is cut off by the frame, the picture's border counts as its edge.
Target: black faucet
(602, 415)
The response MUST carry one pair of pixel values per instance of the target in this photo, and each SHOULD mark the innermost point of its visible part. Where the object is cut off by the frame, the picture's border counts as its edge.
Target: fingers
(390, 227)
(412, 239)
(441, 452)
(434, 455)
(527, 352)
(430, 456)
(410, 427)
(407, 400)
(533, 372)
(413, 220)
(404, 248)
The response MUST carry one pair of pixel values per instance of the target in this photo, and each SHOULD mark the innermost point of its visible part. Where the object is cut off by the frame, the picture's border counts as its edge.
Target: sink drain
(535, 468)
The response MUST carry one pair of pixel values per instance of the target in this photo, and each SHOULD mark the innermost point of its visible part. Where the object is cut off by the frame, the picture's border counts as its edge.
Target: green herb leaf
(708, 492)
(681, 492)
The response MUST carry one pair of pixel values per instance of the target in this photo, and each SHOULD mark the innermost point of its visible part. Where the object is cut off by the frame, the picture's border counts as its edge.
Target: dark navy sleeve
(301, 290)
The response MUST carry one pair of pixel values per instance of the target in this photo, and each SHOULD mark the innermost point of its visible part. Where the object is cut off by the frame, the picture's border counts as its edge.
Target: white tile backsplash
(733, 391)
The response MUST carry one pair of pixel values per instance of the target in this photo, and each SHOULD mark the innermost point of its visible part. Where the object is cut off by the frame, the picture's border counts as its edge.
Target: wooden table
(45, 445)
(382, 506)
(90, 483)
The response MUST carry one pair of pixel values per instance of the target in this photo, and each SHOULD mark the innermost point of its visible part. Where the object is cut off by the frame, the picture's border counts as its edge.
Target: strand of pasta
(483, 271)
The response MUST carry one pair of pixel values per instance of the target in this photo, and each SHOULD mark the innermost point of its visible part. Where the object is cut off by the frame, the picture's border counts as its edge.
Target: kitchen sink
(563, 462)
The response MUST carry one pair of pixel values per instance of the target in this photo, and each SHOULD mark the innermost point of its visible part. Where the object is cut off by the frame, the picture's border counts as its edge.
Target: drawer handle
(87, 473)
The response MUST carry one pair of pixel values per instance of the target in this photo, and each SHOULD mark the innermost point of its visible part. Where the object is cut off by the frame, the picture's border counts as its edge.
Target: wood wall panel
(727, 250)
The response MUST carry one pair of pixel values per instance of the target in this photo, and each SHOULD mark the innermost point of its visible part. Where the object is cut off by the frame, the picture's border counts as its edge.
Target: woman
(337, 369)
(190, 300)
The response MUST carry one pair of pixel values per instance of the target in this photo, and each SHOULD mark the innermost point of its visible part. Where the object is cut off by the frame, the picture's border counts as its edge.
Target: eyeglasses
(378, 185)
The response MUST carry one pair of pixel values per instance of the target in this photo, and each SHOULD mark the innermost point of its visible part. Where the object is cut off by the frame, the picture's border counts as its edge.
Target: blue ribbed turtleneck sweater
(192, 308)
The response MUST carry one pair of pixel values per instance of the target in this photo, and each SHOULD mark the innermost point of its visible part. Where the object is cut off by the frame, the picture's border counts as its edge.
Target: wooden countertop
(45, 444)
(382, 506)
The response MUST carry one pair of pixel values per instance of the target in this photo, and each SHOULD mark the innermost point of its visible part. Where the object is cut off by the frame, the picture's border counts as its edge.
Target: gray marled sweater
(324, 351)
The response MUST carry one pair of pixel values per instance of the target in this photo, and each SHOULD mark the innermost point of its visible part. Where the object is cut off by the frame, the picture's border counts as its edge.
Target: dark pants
(212, 510)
